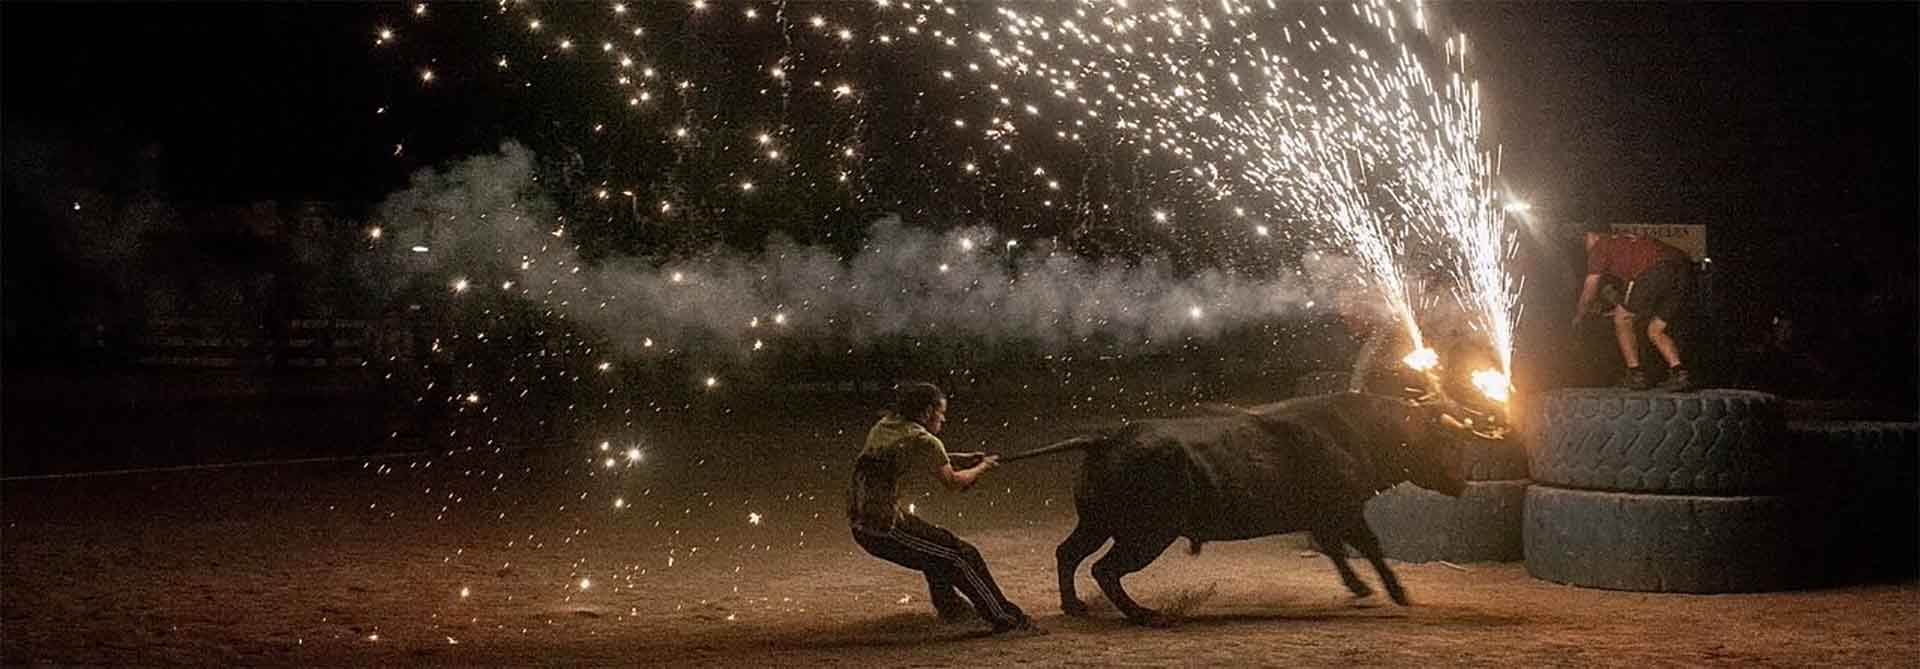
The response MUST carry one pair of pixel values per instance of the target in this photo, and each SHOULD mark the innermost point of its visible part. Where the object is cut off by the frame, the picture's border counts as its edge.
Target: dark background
(1788, 129)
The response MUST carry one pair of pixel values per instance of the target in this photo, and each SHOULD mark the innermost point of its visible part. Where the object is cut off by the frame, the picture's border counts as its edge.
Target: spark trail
(1330, 122)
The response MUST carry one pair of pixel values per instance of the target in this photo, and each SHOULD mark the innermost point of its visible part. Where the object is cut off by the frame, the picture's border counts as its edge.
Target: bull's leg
(1362, 538)
(1332, 545)
(1131, 554)
(1073, 551)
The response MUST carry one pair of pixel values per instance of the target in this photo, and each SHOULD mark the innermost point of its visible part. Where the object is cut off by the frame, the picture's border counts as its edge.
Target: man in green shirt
(903, 443)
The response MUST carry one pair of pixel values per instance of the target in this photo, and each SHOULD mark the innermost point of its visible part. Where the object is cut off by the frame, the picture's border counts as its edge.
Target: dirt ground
(549, 556)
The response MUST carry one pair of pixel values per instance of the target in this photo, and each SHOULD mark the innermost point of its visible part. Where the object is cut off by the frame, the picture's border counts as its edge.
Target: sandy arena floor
(481, 559)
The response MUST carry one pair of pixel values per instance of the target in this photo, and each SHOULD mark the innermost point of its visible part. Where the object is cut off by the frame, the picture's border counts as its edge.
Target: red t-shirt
(1627, 256)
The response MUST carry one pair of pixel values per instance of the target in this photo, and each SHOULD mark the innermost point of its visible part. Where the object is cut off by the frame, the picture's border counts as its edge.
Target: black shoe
(1677, 381)
(1634, 379)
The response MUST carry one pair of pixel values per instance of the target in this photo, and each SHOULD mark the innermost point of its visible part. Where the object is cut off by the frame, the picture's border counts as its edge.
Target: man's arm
(962, 479)
(1587, 293)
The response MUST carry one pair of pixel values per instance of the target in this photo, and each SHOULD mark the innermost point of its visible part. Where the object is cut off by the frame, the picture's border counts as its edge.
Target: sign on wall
(1689, 238)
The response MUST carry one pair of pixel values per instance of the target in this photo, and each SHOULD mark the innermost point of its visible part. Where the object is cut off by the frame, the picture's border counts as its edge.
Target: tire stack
(1664, 492)
(1418, 525)
(1483, 524)
(1860, 477)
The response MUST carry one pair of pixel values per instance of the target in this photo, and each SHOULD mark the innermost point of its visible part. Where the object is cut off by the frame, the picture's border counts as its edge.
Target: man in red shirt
(1659, 287)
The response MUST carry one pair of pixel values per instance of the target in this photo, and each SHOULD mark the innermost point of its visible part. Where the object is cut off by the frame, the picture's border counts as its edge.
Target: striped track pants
(948, 562)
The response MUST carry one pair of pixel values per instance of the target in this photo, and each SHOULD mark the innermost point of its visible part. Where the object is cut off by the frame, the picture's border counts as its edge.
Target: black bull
(1306, 464)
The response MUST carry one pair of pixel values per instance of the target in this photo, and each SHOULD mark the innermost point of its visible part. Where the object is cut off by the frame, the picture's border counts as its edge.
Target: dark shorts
(1664, 292)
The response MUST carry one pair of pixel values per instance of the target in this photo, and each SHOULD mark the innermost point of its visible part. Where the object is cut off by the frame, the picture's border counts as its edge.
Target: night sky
(1789, 130)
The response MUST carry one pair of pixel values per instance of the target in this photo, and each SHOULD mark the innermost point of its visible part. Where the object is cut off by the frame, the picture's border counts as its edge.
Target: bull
(1304, 464)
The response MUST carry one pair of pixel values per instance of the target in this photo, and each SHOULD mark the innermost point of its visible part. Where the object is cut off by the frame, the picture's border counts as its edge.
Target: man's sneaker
(1677, 381)
(1634, 379)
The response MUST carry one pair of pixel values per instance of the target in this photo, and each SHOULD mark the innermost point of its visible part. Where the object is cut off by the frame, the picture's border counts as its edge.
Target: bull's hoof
(1153, 619)
(1399, 596)
(1075, 608)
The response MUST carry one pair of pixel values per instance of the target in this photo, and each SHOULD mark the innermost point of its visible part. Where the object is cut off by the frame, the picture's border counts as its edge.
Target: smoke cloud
(484, 221)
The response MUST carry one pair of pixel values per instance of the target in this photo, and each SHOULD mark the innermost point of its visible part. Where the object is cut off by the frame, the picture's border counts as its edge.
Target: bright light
(418, 248)
(1422, 359)
(1517, 207)
(1492, 384)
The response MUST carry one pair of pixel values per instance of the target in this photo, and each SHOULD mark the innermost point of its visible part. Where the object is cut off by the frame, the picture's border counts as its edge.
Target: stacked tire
(1664, 492)
(1860, 477)
(1483, 524)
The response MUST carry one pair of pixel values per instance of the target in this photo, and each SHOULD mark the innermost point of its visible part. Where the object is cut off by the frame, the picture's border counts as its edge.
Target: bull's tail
(1075, 444)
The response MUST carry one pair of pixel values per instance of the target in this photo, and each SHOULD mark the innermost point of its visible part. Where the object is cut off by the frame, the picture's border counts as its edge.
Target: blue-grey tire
(1711, 442)
(1668, 543)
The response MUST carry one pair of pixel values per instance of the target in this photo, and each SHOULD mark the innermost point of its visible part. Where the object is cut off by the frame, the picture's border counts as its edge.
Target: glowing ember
(1493, 384)
(1422, 359)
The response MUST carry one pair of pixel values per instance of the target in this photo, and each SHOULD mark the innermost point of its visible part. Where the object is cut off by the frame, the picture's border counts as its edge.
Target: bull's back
(1346, 420)
(1207, 478)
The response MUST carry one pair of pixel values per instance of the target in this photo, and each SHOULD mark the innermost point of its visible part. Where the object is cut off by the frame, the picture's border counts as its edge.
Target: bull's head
(1474, 401)
(1455, 414)
(1432, 458)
